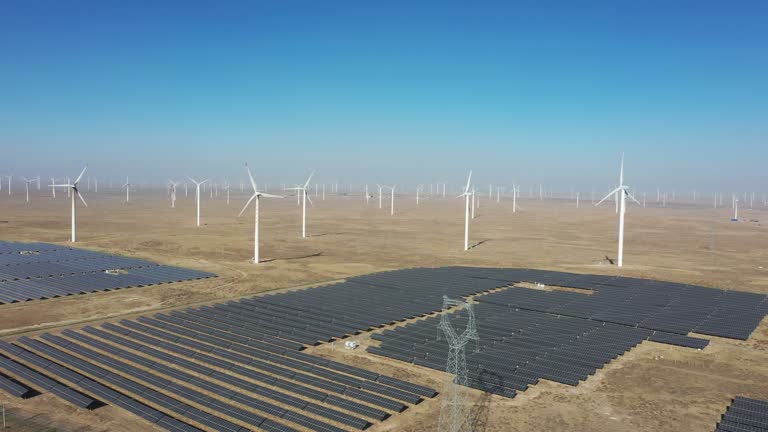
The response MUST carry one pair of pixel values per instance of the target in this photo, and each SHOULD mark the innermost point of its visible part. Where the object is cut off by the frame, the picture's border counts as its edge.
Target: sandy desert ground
(654, 387)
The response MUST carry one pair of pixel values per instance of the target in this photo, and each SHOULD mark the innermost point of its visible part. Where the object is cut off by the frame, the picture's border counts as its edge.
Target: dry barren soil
(654, 387)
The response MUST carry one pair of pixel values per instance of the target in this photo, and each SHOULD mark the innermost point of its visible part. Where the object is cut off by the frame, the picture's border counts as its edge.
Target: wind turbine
(197, 195)
(75, 192)
(623, 192)
(9, 184)
(515, 193)
(256, 195)
(303, 191)
(379, 186)
(466, 194)
(173, 185)
(53, 188)
(26, 185)
(392, 205)
(473, 203)
(127, 187)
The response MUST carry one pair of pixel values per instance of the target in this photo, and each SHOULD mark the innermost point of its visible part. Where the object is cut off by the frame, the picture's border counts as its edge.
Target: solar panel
(34, 271)
(744, 415)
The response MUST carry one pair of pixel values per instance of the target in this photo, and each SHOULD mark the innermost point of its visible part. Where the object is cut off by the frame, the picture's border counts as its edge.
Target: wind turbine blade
(466, 189)
(270, 195)
(253, 182)
(247, 204)
(621, 172)
(81, 197)
(206, 180)
(193, 180)
(81, 175)
(609, 195)
(633, 198)
(310, 200)
(306, 183)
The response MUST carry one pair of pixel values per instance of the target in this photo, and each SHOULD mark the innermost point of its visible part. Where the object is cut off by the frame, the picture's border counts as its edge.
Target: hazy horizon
(412, 93)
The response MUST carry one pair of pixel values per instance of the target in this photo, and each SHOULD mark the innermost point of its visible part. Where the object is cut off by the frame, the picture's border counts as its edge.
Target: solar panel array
(30, 271)
(184, 371)
(239, 365)
(745, 415)
(565, 335)
(654, 305)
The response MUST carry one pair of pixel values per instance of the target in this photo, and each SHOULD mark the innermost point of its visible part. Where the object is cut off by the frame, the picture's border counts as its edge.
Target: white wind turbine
(75, 192)
(515, 193)
(256, 195)
(26, 185)
(623, 192)
(197, 195)
(304, 197)
(473, 203)
(173, 185)
(392, 205)
(379, 186)
(467, 195)
(9, 184)
(53, 188)
(127, 187)
(392, 196)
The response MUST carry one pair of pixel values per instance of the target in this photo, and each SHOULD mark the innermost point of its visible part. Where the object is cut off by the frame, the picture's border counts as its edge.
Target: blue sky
(528, 91)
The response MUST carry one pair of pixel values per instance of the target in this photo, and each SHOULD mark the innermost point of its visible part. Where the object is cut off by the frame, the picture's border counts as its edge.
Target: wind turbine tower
(197, 195)
(75, 192)
(623, 192)
(466, 194)
(304, 197)
(257, 196)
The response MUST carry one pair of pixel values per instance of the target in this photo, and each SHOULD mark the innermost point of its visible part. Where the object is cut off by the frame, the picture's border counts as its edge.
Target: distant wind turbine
(623, 192)
(26, 185)
(256, 195)
(392, 198)
(173, 185)
(75, 192)
(197, 195)
(466, 194)
(127, 187)
(303, 191)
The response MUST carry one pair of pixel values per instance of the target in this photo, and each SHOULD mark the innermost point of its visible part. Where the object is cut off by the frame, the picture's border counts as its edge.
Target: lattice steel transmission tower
(455, 414)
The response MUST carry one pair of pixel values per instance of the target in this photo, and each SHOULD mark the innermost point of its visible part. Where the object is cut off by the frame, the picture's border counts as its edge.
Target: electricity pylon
(455, 410)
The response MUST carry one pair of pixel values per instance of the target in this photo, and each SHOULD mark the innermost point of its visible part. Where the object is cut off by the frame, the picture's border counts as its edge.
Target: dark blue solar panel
(33, 271)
